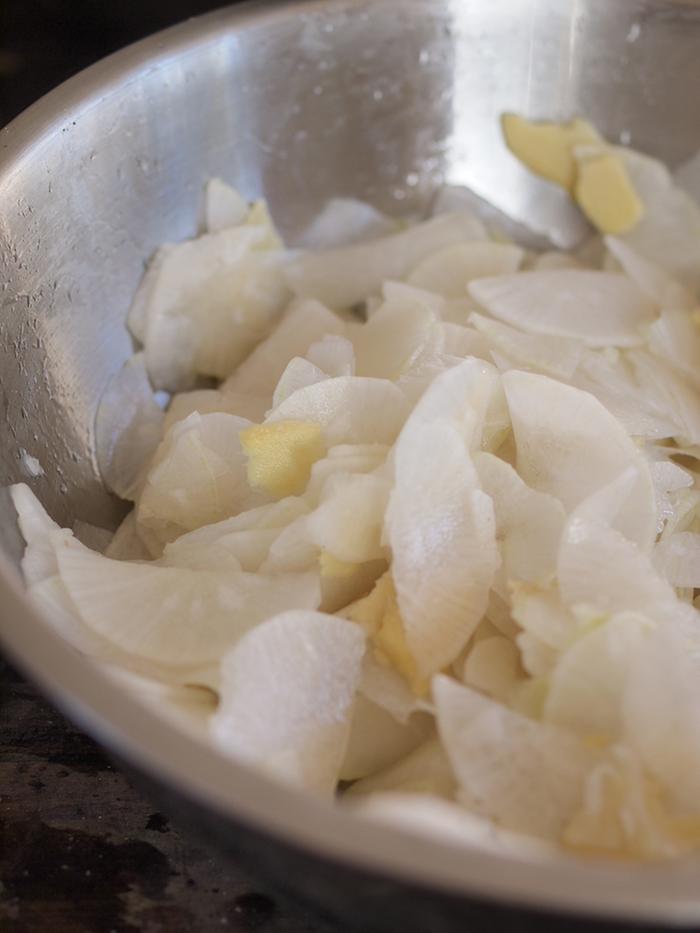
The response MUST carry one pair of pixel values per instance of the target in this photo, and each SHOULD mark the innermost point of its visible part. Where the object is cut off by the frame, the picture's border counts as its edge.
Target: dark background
(43, 42)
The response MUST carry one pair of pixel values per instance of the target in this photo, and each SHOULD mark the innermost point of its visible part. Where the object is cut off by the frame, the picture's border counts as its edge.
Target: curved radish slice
(302, 324)
(525, 775)
(344, 221)
(38, 530)
(395, 340)
(341, 278)
(128, 428)
(287, 692)
(351, 409)
(223, 206)
(468, 396)
(348, 522)
(528, 523)
(569, 445)
(600, 567)
(587, 683)
(198, 476)
(556, 356)
(440, 527)
(449, 271)
(206, 401)
(598, 308)
(175, 616)
(654, 281)
(675, 336)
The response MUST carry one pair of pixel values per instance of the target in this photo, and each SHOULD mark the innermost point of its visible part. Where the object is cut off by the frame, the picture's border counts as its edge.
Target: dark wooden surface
(82, 851)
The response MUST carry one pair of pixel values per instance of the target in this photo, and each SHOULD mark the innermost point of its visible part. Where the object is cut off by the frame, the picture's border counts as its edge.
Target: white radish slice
(344, 221)
(303, 323)
(206, 401)
(350, 409)
(198, 476)
(449, 271)
(668, 478)
(395, 340)
(677, 559)
(670, 391)
(38, 530)
(127, 544)
(526, 776)
(598, 308)
(611, 379)
(175, 616)
(287, 692)
(528, 523)
(299, 374)
(343, 277)
(128, 428)
(675, 336)
(426, 770)
(333, 354)
(669, 231)
(569, 445)
(654, 281)
(348, 522)
(441, 530)
(223, 206)
(239, 543)
(344, 458)
(555, 356)
(536, 656)
(460, 341)
(339, 591)
(661, 710)
(600, 567)
(588, 681)
(377, 740)
(468, 396)
(540, 612)
(210, 301)
(492, 667)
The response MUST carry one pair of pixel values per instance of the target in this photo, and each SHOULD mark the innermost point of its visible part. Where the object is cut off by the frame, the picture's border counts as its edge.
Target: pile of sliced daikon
(422, 515)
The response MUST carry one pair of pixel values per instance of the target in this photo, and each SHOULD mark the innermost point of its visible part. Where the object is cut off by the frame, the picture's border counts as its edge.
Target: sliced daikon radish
(341, 278)
(598, 308)
(344, 221)
(441, 530)
(348, 522)
(198, 476)
(396, 339)
(600, 567)
(206, 401)
(298, 374)
(38, 529)
(670, 391)
(351, 409)
(449, 271)
(677, 559)
(344, 458)
(492, 667)
(303, 323)
(541, 613)
(529, 524)
(675, 336)
(524, 775)
(568, 445)
(333, 354)
(654, 281)
(210, 301)
(128, 428)
(223, 206)
(174, 616)
(127, 544)
(555, 356)
(588, 681)
(287, 693)
(239, 543)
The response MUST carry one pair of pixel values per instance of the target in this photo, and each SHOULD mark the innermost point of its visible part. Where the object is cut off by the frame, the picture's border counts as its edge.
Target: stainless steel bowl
(381, 99)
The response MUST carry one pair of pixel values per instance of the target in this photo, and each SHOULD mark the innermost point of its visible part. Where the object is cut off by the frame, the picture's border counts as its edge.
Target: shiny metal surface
(380, 99)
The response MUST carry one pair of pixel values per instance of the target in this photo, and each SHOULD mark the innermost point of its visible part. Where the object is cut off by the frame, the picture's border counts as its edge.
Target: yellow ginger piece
(605, 194)
(331, 566)
(281, 454)
(378, 613)
(547, 148)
